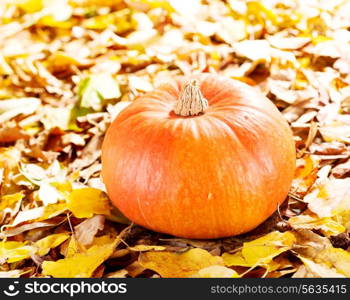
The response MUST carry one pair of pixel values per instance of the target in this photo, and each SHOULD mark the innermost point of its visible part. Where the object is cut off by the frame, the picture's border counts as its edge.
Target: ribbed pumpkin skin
(209, 176)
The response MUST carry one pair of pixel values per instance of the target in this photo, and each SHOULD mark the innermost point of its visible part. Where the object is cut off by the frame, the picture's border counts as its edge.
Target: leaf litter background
(68, 67)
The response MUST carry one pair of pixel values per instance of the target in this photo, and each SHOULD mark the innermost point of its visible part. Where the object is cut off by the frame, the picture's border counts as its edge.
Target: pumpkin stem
(191, 101)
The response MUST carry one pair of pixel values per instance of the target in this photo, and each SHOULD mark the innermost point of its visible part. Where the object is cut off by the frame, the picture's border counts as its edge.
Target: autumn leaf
(319, 270)
(86, 231)
(94, 89)
(40, 213)
(7, 201)
(69, 67)
(14, 251)
(81, 264)
(325, 261)
(337, 258)
(185, 264)
(305, 175)
(118, 20)
(11, 108)
(11, 274)
(260, 252)
(329, 197)
(71, 247)
(326, 225)
(141, 248)
(86, 202)
(52, 241)
(156, 4)
(216, 272)
(319, 256)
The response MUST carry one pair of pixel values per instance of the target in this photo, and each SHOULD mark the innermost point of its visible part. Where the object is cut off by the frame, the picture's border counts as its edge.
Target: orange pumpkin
(208, 158)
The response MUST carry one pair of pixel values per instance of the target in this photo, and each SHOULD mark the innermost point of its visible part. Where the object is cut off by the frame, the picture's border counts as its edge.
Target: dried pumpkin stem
(191, 101)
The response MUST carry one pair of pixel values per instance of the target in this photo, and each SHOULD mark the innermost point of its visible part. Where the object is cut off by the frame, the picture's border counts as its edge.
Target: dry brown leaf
(86, 231)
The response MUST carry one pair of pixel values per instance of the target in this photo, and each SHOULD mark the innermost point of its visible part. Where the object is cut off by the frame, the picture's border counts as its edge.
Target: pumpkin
(202, 157)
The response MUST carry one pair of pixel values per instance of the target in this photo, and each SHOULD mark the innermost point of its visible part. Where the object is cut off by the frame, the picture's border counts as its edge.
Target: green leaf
(93, 90)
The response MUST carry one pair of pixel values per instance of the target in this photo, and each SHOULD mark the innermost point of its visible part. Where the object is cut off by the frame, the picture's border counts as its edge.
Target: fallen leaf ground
(68, 67)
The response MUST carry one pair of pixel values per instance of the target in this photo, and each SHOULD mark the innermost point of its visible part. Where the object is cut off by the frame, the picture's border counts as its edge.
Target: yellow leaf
(57, 117)
(262, 13)
(102, 240)
(53, 210)
(284, 43)
(62, 59)
(238, 260)
(48, 193)
(40, 213)
(343, 217)
(142, 21)
(337, 258)
(7, 201)
(156, 4)
(86, 202)
(118, 274)
(246, 48)
(330, 197)
(81, 264)
(118, 21)
(13, 107)
(30, 6)
(5, 68)
(9, 157)
(231, 30)
(319, 270)
(142, 248)
(260, 252)
(44, 245)
(50, 21)
(178, 265)
(55, 12)
(14, 251)
(135, 269)
(72, 247)
(11, 274)
(96, 2)
(327, 225)
(100, 22)
(305, 174)
(216, 272)
(320, 257)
